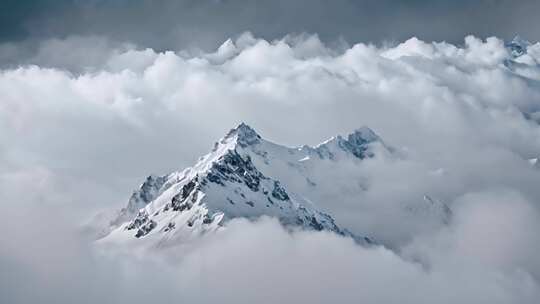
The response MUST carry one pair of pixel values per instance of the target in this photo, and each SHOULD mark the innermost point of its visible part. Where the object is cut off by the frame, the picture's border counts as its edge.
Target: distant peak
(357, 142)
(519, 40)
(243, 126)
(244, 130)
(518, 46)
(245, 135)
(363, 134)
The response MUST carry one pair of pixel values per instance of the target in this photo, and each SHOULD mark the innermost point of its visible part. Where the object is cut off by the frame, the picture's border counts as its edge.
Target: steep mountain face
(324, 174)
(246, 176)
(223, 185)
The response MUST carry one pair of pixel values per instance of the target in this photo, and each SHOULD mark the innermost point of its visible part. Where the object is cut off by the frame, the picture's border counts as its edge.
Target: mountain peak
(363, 135)
(357, 143)
(243, 127)
(245, 176)
(519, 40)
(245, 135)
(518, 46)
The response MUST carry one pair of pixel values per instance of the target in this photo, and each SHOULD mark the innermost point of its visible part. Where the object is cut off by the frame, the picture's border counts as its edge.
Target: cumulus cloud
(492, 228)
(321, 268)
(461, 116)
(259, 262)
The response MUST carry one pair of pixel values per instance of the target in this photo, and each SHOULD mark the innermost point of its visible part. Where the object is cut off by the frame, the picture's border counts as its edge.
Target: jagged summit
(518, 46)
(363, 134)
(246, 176)
(244, 135)
(356, 143)
(359, 144)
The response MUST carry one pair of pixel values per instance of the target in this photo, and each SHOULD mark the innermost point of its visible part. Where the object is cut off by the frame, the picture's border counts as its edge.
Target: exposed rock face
(142, 223)
(246, 136)
(223, 185)
(233, 167)
(147, 192)
(245, 176)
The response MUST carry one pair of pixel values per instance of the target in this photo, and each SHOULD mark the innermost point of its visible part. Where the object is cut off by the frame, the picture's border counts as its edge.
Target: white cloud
(75, 143)
(263, 263)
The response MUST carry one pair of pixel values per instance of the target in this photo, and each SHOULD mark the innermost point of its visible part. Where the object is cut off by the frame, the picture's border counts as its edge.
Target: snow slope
(223, 185)
(246, 176)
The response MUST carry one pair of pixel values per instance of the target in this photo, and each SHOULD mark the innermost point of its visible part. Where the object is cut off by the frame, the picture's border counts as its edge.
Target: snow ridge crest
(228, 183)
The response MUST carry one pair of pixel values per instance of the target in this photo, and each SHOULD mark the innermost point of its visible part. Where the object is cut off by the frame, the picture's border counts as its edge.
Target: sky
(97, 95)
(178, 25)
(155, 22)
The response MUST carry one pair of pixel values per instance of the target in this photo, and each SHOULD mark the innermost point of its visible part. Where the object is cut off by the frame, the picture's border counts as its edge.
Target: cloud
(253, 262)
(462, 117)
(320, 267)
(492, 228)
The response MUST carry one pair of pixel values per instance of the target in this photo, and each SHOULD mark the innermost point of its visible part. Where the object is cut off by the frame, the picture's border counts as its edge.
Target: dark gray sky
(167, 24)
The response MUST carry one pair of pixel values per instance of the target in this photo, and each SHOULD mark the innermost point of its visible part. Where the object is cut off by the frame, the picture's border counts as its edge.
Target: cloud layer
(78, 135)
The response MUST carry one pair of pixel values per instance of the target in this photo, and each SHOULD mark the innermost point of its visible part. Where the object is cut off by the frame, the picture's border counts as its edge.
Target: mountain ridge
(246, 176)
(223, 185)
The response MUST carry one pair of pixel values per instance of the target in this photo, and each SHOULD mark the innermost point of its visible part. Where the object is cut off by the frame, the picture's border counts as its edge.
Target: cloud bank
(77, 136)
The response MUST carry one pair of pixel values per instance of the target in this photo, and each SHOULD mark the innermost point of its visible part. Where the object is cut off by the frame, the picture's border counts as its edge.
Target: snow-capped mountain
(246, 176)
(518, 46)
(227, 183)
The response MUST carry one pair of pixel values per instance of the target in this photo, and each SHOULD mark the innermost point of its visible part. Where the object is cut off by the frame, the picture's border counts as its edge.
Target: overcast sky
(167, 24)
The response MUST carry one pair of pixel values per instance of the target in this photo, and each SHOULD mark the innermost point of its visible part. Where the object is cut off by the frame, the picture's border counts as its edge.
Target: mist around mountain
(435, 201)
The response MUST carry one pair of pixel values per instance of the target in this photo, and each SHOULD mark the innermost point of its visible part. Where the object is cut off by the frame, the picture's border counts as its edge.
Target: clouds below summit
(80, 131)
